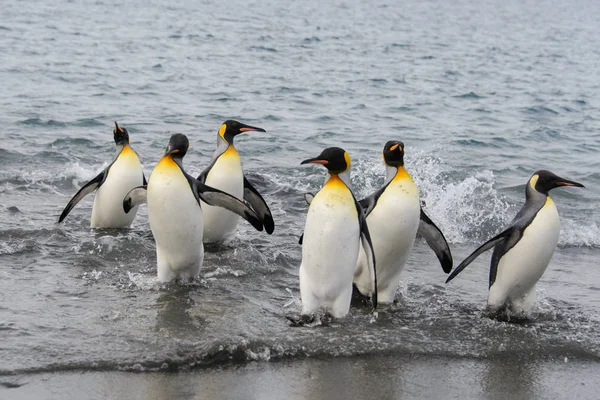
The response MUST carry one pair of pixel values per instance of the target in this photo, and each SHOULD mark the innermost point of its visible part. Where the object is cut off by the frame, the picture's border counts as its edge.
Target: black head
(336, 160)
(121, 135)
(543, 181)
(178, 146)
(231, 128)
(393, 153)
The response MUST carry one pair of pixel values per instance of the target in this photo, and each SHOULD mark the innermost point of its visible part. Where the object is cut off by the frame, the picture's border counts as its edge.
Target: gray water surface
(481, 94)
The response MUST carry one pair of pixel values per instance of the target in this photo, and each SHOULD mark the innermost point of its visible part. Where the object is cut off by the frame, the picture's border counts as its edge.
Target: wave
(470, 95)
(553, 336)
(71, 176)
(467, 206)
(84, 122)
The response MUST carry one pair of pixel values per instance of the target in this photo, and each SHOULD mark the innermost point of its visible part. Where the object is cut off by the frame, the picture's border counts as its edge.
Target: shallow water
(481, 95)
(378, 376)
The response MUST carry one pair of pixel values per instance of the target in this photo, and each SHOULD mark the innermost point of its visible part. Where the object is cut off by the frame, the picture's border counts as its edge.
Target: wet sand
(374, 377)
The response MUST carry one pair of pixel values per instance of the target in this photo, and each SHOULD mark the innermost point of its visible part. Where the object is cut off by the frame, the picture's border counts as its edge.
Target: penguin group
(350, 248)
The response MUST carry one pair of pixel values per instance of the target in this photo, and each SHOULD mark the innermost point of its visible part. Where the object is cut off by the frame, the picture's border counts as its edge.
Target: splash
(467, 209)
(79, 174)
(579, 233)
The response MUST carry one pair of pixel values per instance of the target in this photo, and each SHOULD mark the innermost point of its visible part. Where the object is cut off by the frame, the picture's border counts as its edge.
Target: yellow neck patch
(401, 175)
(335, 182)
(128, 154)
(127, 150)
(166, 164)
(230, 152)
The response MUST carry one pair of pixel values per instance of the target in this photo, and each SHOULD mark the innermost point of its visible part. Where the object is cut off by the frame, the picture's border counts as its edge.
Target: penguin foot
(318, 319)
(358, 299)
(506, 313)
(300, 320)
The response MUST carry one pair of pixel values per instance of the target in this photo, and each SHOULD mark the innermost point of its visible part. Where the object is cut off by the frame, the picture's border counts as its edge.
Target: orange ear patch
(347, 158)
(222, 130)
(533, 181)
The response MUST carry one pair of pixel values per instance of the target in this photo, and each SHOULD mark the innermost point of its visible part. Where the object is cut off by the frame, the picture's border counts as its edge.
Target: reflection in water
(505, 378)
(175, 316)
(371, 377)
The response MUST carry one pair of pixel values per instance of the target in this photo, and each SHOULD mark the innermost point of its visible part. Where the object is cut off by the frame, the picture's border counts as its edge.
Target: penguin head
(393, 153)
(121, 135)
(230, 128)
(178, 146)
(335, 159)
(543, 181)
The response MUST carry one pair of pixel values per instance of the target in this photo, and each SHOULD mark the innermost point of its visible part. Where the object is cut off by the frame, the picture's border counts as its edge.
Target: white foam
(463, 210)
(465, 205)
(11, 248)
(79, 174)
(578, 233)
(221, 271)
(143, 282)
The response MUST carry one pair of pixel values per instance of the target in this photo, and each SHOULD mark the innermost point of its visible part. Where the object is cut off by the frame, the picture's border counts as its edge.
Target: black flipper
(135, 197)
(85, 190)
(484, 247)
(204, 174)
(216, 197)
(365, 239)
(144, 181)
(308, 197)
(436, 240)
(259, 205)
(369, 202)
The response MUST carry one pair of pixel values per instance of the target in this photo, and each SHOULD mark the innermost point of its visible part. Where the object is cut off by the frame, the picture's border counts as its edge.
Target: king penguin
(174, 209)
(225, 173)
(111, 185)
(394, 217)
(523, 250)
(335, 227)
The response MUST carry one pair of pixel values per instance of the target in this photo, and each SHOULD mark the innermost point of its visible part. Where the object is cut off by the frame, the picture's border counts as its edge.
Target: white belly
(522, 266)
(225, 175)
(124, 175)
(393, 226)
(176, 223)
(329, 252)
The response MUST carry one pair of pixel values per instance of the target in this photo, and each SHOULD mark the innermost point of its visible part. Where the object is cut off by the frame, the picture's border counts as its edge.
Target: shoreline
(383, 376)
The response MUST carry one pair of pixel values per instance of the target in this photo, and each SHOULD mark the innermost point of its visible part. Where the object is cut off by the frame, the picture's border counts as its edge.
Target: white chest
(174, 214)
(523, 265)
(226, 174)
(394, 222)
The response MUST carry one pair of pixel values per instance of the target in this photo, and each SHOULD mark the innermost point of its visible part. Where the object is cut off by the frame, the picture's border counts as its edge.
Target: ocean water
(481, 94)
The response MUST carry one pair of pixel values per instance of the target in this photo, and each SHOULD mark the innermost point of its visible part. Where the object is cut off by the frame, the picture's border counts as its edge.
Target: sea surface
(482, 94)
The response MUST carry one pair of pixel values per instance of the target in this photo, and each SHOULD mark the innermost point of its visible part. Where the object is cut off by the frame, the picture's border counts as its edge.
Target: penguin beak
(118, 128)
(315, 160)
(247, 128)
(394, 147)
(170, 150)
(566, 182)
